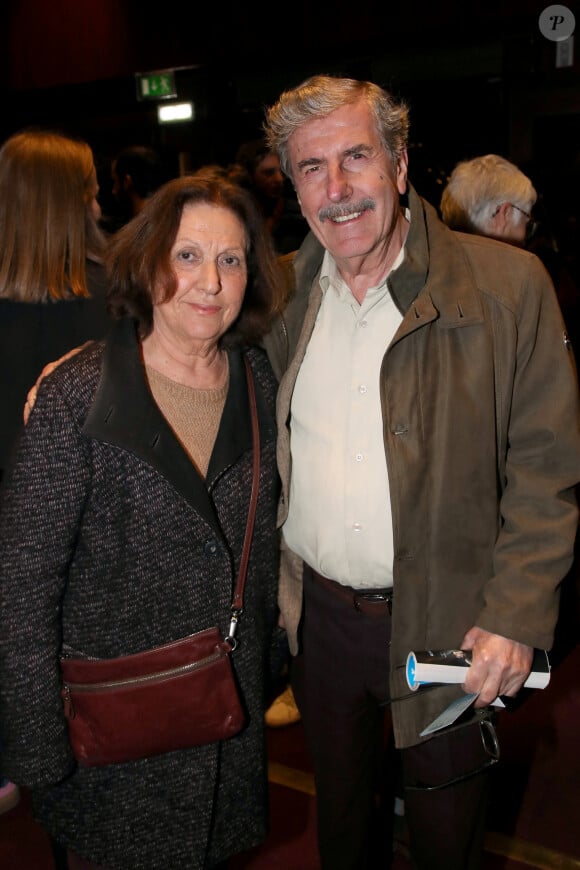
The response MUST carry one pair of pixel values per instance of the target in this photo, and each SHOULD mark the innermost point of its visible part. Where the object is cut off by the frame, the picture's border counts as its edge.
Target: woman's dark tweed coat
(110, 543)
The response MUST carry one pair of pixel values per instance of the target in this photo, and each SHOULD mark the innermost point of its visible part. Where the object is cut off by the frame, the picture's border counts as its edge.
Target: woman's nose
(209, 278)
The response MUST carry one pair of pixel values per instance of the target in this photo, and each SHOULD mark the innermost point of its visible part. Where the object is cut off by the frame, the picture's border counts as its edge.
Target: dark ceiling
(477, 77)
(66, 41)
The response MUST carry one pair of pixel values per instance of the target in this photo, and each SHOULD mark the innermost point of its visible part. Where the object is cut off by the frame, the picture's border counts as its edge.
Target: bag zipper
(133, 681)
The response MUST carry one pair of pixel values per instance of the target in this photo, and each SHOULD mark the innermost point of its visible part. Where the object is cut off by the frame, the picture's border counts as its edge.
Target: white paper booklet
(449, 666)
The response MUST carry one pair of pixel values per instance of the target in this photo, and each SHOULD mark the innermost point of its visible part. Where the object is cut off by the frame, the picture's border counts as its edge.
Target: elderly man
(490, 196)
(429, 450)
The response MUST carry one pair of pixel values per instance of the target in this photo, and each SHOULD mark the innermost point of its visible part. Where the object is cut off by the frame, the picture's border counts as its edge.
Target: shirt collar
(331, 277)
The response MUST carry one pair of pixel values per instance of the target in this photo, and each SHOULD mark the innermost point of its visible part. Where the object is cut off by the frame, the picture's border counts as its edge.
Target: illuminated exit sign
(156, 86)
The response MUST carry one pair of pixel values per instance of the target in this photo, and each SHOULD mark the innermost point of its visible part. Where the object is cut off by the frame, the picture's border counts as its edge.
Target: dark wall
(45, 44)
(476, 81)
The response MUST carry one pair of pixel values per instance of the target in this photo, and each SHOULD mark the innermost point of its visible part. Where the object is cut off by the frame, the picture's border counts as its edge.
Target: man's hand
(499, 665)
(49, 367)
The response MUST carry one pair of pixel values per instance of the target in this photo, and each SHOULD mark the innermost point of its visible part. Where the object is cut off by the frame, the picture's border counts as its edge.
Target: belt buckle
(373, 598)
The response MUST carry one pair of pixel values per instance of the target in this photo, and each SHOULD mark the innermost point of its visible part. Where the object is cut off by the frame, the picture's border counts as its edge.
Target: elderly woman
(121, 528)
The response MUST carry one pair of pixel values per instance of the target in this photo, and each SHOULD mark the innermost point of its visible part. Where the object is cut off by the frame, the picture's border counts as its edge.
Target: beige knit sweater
(194, 415)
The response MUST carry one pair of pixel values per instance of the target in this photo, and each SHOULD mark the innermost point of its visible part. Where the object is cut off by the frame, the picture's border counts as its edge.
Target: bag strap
(237, 602)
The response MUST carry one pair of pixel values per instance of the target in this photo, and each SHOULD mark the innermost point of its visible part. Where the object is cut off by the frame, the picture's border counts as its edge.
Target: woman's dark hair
(138, 260)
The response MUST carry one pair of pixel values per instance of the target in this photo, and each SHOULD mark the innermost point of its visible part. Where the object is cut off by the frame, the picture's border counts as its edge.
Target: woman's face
(209, 261)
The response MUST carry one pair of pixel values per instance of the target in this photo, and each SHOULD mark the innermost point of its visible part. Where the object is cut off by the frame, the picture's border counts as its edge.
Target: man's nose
(338, 185)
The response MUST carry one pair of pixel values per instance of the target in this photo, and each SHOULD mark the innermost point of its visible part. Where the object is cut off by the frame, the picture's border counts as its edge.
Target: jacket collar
(124, 414)
(434, 279)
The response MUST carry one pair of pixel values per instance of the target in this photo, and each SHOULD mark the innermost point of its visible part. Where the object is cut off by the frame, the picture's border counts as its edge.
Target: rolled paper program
(450, 665)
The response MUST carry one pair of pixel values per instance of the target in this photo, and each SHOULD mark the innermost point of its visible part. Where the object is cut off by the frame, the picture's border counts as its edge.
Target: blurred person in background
(52, 278)
(137, 171)
(492, 197)
(489, 196)
(52, 285)
(257, 167)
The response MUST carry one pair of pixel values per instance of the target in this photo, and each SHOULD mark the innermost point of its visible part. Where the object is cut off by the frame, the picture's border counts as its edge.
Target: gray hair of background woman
(320, 95)
(477, 187)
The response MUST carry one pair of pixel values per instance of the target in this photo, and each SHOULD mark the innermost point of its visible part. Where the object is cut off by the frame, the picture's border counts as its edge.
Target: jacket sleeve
(40, 511)
(539, 443)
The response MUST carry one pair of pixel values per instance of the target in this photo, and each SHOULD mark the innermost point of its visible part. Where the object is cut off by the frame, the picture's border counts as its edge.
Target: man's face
(268, 177)
(346, 183)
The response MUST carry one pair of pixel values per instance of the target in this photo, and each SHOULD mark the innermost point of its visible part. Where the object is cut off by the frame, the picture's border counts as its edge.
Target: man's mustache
(330, 212)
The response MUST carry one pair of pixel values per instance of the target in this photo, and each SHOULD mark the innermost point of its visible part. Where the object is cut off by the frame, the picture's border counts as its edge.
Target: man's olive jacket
(480, 409)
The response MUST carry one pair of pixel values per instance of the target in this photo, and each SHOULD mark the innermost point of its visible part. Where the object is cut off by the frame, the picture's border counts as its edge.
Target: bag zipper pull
(231, 637)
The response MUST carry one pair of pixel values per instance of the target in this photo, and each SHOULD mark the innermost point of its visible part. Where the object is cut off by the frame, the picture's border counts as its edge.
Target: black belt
(371, 602)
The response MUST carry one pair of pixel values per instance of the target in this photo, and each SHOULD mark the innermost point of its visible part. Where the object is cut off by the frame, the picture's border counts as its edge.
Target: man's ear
(402, 169)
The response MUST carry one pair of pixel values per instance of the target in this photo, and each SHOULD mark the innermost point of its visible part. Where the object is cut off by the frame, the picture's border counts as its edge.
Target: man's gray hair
(476, 188)
(320, 95)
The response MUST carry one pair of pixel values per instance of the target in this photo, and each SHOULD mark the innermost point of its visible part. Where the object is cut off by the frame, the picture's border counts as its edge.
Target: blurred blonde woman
(52, 281)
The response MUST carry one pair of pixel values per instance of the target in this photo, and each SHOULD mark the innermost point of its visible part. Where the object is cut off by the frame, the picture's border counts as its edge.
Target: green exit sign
(156, 86)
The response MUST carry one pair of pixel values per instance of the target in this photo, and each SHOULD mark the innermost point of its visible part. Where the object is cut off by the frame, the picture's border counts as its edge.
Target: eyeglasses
(531, 225)
(526, 213)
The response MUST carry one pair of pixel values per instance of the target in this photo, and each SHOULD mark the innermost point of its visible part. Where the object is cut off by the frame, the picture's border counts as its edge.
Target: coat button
(210, 547)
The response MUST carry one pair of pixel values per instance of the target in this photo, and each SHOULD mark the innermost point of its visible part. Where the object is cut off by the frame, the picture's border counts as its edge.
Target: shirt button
(363, 324)
(362, 389)
(357, 527)
(359, 457)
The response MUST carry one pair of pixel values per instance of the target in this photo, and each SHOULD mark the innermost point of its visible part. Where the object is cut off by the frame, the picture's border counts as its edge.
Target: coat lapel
(124, 414)
(421, 287)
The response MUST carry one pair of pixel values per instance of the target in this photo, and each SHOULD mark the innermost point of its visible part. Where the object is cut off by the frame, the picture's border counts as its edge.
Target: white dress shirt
(339, 518)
